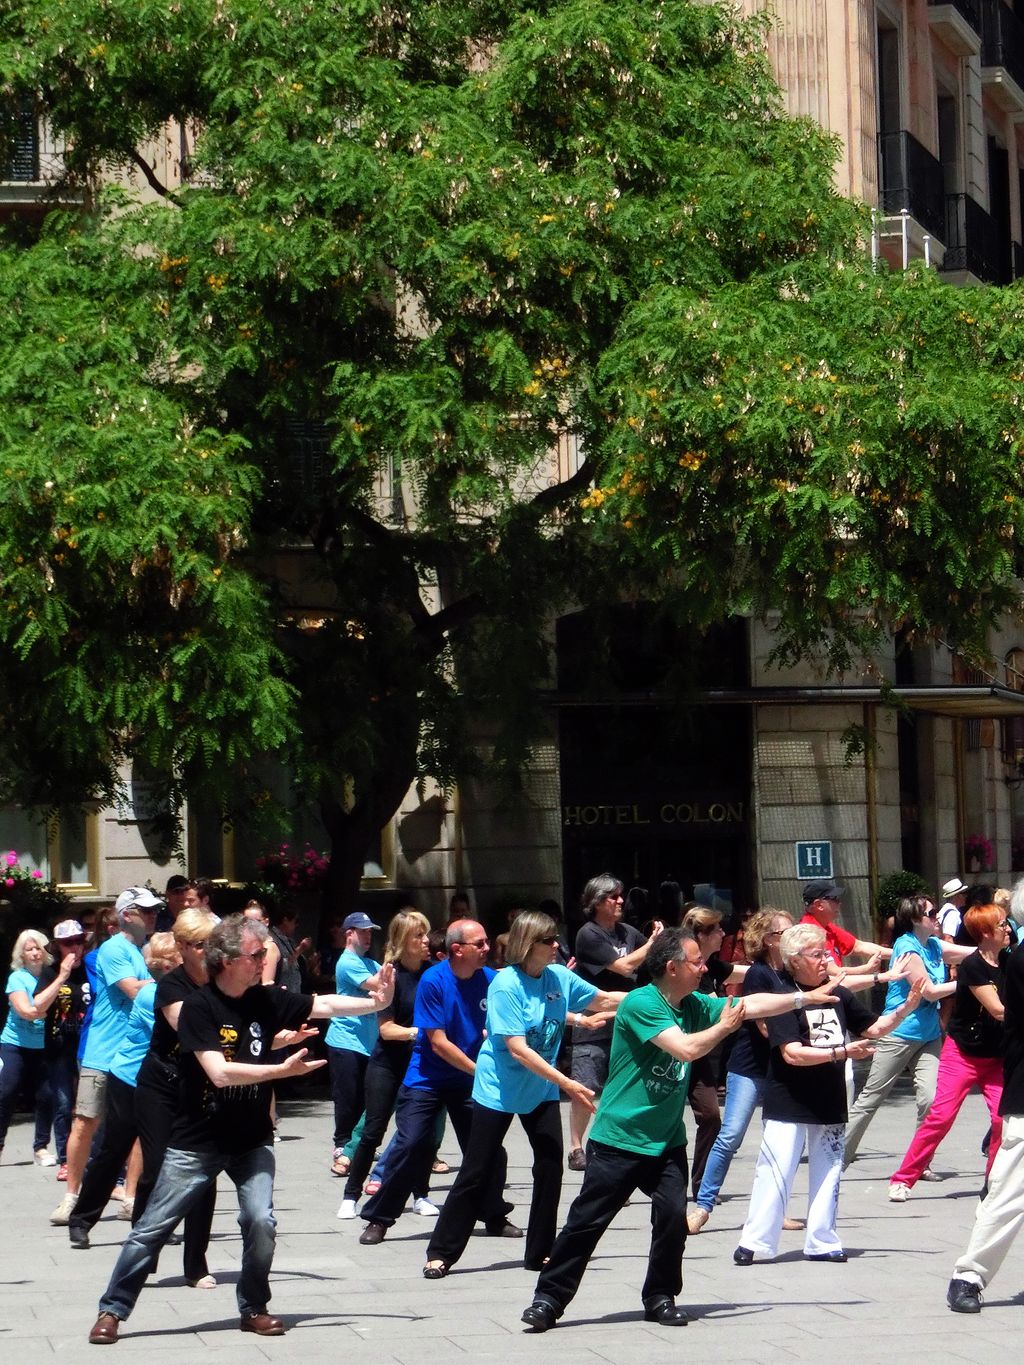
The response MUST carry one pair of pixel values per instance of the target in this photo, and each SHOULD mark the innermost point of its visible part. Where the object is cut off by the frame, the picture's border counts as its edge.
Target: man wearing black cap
(822, 898)
(351, 1040)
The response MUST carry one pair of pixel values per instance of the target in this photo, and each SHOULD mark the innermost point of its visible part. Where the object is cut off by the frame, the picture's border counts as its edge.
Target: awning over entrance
(966, 702)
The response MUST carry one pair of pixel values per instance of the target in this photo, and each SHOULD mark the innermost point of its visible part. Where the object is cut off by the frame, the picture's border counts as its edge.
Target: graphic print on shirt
(823, 1028)
(665, 1076)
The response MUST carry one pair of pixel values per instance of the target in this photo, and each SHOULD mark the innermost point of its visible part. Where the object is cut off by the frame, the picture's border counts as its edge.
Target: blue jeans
(63, 1068)
(183, 1179)
(742, 1096)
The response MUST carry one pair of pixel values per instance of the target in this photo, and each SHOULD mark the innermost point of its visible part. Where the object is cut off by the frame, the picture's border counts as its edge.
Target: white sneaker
(349, 1208)
(44, 1158)
(425, 1208)
(61, 1216)
(898, 1194)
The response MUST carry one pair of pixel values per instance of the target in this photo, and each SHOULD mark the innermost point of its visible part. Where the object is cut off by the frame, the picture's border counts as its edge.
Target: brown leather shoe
(373, 1234)
(263, 1325)
(105, 1331)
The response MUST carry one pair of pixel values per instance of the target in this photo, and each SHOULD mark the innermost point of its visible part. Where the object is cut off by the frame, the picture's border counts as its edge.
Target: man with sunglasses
(226, 1031)
(449, 1017)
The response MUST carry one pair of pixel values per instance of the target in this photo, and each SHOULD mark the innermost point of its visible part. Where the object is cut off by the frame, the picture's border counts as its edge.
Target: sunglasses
(550, 941)
(258, 955)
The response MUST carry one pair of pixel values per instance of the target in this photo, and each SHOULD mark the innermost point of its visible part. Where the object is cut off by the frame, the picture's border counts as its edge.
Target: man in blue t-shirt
(450, 1011)
(121, 972)
(351, 1040)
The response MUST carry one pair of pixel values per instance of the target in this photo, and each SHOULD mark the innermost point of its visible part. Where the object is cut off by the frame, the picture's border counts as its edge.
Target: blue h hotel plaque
(813, 859)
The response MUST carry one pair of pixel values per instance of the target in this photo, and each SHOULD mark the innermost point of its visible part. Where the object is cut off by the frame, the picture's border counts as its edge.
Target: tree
(423, 243)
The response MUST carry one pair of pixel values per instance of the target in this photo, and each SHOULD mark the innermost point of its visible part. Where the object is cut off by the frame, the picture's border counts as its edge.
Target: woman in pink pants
(971, 1055)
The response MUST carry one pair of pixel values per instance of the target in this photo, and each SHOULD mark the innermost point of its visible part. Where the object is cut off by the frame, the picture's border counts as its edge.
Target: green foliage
(893, 888)
(420, 243)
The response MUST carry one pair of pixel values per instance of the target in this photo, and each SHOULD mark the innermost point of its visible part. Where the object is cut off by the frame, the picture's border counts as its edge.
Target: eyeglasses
(258, 955)
(818, 953)
(932, 914)
(476, 943)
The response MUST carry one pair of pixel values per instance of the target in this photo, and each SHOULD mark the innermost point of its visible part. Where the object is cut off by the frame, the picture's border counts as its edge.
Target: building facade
(756, 778)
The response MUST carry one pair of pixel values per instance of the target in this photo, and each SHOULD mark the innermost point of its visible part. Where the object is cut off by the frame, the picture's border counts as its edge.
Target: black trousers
(703, 1094)
(454, 1227)
(108, 1156)
(380, 1090)
(348, 1072)
(415, 1115)
(611, 1177)
(156, 1105)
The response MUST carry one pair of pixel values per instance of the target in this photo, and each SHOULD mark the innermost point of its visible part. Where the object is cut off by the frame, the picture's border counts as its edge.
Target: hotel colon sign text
(661, 813)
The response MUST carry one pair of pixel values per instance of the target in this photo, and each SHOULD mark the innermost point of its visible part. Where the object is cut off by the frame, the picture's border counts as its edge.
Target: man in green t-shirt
(638, 1140)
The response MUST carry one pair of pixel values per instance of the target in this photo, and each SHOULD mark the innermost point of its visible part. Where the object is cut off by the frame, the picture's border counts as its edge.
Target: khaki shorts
(91, 1097)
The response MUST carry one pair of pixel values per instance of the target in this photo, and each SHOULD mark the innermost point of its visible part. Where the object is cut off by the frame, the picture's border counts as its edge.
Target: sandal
(440, 1167)
(340, 1164)
(436, 1270)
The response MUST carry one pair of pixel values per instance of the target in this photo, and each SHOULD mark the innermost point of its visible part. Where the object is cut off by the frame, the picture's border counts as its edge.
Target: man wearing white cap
(121, 972)
(955, 893)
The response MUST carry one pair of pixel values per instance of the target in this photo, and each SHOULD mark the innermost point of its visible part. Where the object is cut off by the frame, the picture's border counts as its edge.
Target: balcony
(911, 180)
(957, 23)
(31, 163)
(1002, 56)
(975, 243)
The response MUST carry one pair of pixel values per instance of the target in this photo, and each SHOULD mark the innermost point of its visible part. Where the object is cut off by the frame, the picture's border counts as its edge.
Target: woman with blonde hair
(407, 947)
(748, 1061)
(24, 1036)
(529, 1003)
(157, 1092)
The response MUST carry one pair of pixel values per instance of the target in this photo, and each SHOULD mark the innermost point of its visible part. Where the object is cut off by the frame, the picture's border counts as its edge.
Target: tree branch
(558, 493)
(153, 182)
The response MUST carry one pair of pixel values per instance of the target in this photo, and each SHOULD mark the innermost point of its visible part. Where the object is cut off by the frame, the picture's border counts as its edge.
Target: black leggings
(543, 1127)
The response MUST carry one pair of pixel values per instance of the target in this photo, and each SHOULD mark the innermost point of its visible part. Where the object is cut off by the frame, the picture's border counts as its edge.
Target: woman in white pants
(805, 1101)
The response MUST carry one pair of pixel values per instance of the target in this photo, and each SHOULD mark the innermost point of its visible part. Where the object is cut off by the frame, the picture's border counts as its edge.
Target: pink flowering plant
(288, 869)
(26, 887)
(979, 849)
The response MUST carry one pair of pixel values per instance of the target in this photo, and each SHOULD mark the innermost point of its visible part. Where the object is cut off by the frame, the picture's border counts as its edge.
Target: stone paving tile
(371, 1306)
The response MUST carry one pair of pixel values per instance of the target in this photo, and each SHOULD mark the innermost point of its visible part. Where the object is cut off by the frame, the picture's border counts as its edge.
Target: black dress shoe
(540, 1316)
(373, 1234)
(78, 1236)
(834, 1257)
(665, 1312)
(964, 1296)
(743, 1256)
(503, 1229)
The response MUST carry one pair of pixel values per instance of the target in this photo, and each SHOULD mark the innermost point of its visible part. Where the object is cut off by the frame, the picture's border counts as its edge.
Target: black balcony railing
(912, 179)
(976, 242)
(1002, 39)
(968, 8)
(19, 141)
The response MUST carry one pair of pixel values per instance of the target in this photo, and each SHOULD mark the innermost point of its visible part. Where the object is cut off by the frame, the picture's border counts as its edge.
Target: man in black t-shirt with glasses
(226, 1031)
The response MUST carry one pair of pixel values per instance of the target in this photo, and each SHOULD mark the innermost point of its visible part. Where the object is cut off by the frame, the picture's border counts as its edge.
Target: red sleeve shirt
(839, 942)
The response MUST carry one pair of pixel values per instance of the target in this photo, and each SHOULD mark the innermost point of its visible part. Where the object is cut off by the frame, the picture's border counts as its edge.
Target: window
(65, 849)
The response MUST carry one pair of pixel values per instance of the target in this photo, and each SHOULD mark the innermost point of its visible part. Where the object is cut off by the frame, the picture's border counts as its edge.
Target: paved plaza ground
(352, 1304)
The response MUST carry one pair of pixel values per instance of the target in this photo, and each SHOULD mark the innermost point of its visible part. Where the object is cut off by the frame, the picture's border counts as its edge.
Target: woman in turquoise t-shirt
(23, 1036)
(527, 1006)
(915, 1045)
